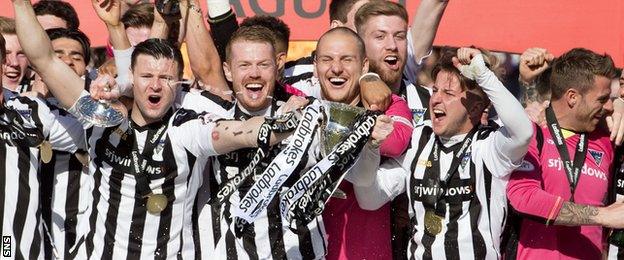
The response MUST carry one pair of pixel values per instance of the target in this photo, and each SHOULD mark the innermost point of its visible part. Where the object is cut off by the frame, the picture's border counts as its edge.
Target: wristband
(368, 74)
(217, 8)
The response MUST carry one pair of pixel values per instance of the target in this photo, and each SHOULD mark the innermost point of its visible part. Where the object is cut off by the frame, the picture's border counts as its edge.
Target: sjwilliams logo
(6, 246)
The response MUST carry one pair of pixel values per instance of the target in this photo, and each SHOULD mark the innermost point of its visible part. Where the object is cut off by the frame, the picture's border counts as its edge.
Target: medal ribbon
(572, 169)
(437, 202)
(139, 160)
(279, 124)
(277, 172)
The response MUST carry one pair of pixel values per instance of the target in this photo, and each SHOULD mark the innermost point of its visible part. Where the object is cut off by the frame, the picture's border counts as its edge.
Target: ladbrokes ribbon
(306, 199)
(273, 177)
(280, 124)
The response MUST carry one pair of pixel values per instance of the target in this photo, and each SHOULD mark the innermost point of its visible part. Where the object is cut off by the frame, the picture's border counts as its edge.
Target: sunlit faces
(594, 104)
(338, 66)
(49, 21)
(385, 38)
(70, 51)
(448, 111)
(154, 91)
(252, 69)
(137, 35)
(15, 64)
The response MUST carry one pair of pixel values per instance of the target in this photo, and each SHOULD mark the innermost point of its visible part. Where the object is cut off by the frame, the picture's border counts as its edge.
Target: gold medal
(45, 149)
(433, 223)
(156, 203)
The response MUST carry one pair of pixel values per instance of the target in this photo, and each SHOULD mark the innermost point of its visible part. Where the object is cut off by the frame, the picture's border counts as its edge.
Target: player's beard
(390, 77)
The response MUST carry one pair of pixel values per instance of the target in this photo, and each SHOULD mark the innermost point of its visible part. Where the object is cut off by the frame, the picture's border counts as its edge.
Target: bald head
(348, 33)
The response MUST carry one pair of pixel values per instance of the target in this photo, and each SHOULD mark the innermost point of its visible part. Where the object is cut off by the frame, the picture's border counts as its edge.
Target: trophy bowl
(99, 113)
(168, 7)
(338, 123)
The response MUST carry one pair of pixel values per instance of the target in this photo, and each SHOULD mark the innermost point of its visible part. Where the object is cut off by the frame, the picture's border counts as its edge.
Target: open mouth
(254, 90)
(438, 115)
(391, 60)
(337, 81)
(154, 99)
(12, 75)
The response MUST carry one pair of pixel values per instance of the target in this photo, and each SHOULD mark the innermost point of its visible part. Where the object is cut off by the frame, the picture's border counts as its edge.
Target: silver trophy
(169, 8)
(98, 112)
(337, 124)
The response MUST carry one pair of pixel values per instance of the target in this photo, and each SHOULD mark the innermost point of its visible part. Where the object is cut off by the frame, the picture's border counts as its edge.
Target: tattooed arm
(573, 214)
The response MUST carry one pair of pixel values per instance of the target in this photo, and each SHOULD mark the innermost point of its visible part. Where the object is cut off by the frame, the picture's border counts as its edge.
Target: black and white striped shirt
(25, 123)
(476, 200)
(616, 253)
(475, 196)
(268, 237)
(65, 196)
(119, 226)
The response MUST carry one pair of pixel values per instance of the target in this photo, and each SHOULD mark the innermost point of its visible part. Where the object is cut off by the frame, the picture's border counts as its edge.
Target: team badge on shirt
(597, 156)
(26, 113)
(418, 114)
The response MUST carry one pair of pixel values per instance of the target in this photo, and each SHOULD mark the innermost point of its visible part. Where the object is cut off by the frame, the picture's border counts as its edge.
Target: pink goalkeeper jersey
(540, 186)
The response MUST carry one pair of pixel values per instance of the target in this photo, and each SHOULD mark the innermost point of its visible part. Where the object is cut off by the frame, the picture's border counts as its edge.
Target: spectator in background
(56, 14)
(138, 21)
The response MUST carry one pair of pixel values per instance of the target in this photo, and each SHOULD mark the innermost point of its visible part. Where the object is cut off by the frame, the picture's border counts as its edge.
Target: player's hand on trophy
(383, 127)
(105, 88)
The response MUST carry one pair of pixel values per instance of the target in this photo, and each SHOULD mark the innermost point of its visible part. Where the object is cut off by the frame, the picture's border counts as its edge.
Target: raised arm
(425, 26)
(203, 55)
(161, 27)
(62, 81)
(109, 12)
(512, 140)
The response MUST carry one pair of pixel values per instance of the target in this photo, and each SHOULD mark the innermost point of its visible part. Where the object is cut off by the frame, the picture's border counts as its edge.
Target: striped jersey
(475, 199)
(618, 194)
(65, 191)
(24, 124)
(119, 226)
(269, 237)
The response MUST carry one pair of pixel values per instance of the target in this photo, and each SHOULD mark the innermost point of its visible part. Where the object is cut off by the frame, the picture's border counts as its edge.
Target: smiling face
(70, 51)
(252, 69)
(15, 65)
(338, 66)
(594, 105)
(153, 90)
(385, 38)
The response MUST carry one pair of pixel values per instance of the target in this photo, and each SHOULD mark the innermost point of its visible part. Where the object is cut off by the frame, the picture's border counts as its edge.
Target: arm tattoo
(576, 215)
(530, 93)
